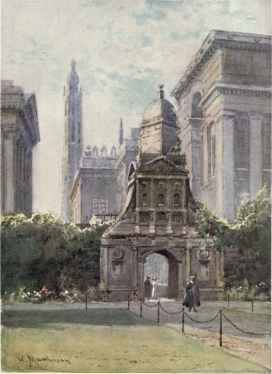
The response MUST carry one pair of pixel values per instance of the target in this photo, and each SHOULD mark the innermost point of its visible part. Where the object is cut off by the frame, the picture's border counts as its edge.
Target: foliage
(250, 235)
(43, 250)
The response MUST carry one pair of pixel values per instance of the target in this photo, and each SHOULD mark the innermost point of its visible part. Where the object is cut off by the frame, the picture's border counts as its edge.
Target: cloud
(98, 4)
(144, 18)
(146, 41)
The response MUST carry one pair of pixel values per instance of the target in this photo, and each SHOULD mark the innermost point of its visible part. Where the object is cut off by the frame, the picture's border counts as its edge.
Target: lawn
(106, 341)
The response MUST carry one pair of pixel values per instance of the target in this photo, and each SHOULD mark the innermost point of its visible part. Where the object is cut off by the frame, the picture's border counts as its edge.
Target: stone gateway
(154, 234)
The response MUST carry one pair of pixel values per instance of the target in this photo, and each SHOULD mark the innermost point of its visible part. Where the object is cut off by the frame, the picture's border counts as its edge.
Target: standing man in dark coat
(192, 297)
(148, 288)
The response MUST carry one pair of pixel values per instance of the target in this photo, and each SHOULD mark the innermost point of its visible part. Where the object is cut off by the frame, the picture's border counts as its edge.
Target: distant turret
(121, 133)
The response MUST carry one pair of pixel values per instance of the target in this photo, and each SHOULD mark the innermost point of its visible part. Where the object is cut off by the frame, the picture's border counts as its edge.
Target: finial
(160, 92)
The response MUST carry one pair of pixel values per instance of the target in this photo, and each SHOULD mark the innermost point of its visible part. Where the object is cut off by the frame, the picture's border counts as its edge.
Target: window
(211, 148)
(242, 158)
(160, 199)
(144, 199)
(176, 199)
(100, 206)
(197, 111)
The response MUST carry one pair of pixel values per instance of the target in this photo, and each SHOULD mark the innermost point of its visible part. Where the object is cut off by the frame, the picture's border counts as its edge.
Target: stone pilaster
(255, 154)
(180, 280)
(9, 170)
(141, 263)
(226, 194)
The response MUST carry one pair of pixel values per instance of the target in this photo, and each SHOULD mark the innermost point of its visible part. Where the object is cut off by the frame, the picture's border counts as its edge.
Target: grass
(106, 341)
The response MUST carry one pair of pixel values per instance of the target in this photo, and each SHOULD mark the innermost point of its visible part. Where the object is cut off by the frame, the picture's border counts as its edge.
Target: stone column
(152, 201)
(255, 154)
(137, 213)
(226, 195)
(9, 170)
(197, 157)
(134, 267)
(180, 281)
(104, 265)
(187, 263)
(141, 263)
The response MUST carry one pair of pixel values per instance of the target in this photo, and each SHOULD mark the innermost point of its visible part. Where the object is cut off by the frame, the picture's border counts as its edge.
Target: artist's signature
(39, 361)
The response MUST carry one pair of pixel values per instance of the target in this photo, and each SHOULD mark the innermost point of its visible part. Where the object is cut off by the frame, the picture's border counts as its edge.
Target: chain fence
(182, 312)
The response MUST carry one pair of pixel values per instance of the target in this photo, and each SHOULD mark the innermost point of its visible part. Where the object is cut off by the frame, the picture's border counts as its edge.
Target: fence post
(182, 321)
(220, 328)
(128, 302)
(86, 301)
(141, 306)
(158, 311)
(252, 302)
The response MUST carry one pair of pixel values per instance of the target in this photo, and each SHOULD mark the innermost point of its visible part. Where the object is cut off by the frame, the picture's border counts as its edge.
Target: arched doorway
(164, 267)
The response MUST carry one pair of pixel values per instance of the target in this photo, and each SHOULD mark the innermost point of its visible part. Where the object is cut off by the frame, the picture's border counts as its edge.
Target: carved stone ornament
(118, 254)
(204, 255)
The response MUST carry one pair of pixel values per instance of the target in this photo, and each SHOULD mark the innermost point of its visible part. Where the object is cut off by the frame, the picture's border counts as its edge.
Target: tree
(81, 267)
(44, 251)
(250, 235)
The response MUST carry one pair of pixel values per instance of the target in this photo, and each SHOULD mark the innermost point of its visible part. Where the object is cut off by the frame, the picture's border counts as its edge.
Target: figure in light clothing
(155, 289)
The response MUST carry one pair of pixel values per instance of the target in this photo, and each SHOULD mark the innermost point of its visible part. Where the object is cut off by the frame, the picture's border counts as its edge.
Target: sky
(123, 49)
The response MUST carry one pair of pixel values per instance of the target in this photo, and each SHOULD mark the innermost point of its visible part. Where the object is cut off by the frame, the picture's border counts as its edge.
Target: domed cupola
(158, 130)
(159, 108)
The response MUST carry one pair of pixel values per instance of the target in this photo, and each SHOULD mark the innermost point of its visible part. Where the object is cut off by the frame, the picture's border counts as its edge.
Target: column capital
(10, 132)
(141, 260)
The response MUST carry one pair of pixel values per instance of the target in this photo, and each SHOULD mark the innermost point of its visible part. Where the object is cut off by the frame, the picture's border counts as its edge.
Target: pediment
(160, 165)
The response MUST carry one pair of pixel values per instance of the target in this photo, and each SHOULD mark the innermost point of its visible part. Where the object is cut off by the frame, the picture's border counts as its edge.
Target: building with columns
(224, 108)
(72, 150)
(19, 135)
(154, 233)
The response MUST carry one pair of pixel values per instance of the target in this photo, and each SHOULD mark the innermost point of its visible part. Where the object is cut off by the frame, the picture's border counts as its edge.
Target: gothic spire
(73, 80)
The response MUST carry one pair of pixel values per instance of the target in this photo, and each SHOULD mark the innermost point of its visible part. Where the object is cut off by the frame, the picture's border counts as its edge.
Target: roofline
(215, 40)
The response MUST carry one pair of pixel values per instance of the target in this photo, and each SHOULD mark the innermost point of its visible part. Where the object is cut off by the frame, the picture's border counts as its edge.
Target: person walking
(154, 289)
(192, 297)
(148, 288)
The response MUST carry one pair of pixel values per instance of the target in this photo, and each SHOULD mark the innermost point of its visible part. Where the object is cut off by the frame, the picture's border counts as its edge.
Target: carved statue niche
(144, 199)
(160, 199)
(117, 264)
(176, 200)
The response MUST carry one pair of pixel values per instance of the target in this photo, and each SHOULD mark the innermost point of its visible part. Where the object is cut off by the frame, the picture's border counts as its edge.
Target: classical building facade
(154, 233)
(19, 135)
(72, 151)
(224, 108)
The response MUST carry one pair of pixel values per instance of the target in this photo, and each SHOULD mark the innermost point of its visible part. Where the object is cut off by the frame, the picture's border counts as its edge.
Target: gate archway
(167, 268)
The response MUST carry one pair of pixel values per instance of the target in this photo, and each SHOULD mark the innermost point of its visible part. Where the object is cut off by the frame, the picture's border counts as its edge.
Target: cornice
(218, 40)
(234, 89)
